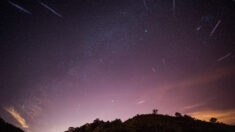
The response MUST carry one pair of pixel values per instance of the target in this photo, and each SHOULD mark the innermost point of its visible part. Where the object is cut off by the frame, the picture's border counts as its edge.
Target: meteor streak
(50, 9)
(20, 7)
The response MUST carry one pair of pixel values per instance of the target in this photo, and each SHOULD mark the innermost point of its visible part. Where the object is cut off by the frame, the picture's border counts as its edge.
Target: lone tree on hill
(155, 111)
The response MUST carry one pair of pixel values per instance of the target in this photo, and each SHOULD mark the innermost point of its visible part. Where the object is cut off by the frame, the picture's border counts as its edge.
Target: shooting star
(224, 57)
(20, 7)
(216, 26)
(50, 9)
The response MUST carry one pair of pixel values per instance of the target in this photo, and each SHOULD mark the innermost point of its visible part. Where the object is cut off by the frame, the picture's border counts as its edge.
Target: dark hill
(6, 127)
(154, 123)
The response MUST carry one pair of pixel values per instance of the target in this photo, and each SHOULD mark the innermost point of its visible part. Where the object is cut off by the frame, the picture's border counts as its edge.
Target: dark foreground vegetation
(6, 127)
(154, 123)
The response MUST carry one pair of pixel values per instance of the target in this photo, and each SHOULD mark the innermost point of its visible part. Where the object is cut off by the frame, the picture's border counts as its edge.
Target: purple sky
(70, 62)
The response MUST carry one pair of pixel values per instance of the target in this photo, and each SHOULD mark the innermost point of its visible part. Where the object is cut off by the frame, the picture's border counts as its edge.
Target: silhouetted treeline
(154, 123)
(6, 127)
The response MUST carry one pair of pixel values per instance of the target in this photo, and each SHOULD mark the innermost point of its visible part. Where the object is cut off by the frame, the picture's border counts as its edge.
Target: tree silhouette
(213, 120)
(177, 114)
(155, 111)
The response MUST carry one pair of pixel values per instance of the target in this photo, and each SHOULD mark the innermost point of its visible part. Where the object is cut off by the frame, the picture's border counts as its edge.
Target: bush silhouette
(6, 127)
(213, 120)
(177, 114)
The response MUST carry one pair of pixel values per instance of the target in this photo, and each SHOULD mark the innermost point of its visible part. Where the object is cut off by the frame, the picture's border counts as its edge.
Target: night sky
(66, 62)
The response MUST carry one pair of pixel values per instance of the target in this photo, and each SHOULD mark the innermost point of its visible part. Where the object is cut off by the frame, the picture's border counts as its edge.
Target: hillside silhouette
(6, 127)
(155, 123)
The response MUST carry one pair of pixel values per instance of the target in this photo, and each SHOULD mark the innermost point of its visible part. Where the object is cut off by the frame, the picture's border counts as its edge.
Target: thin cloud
(197, 105)
(32, 111)
(17, 116)
(200, 79)
(141, 102)
(189, 107)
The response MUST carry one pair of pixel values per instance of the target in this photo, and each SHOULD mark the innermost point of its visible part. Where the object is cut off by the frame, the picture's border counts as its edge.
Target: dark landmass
(6, 127)
(155, 123)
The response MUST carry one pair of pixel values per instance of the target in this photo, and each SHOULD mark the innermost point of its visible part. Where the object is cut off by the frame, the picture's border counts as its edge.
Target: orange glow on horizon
(225, 116)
